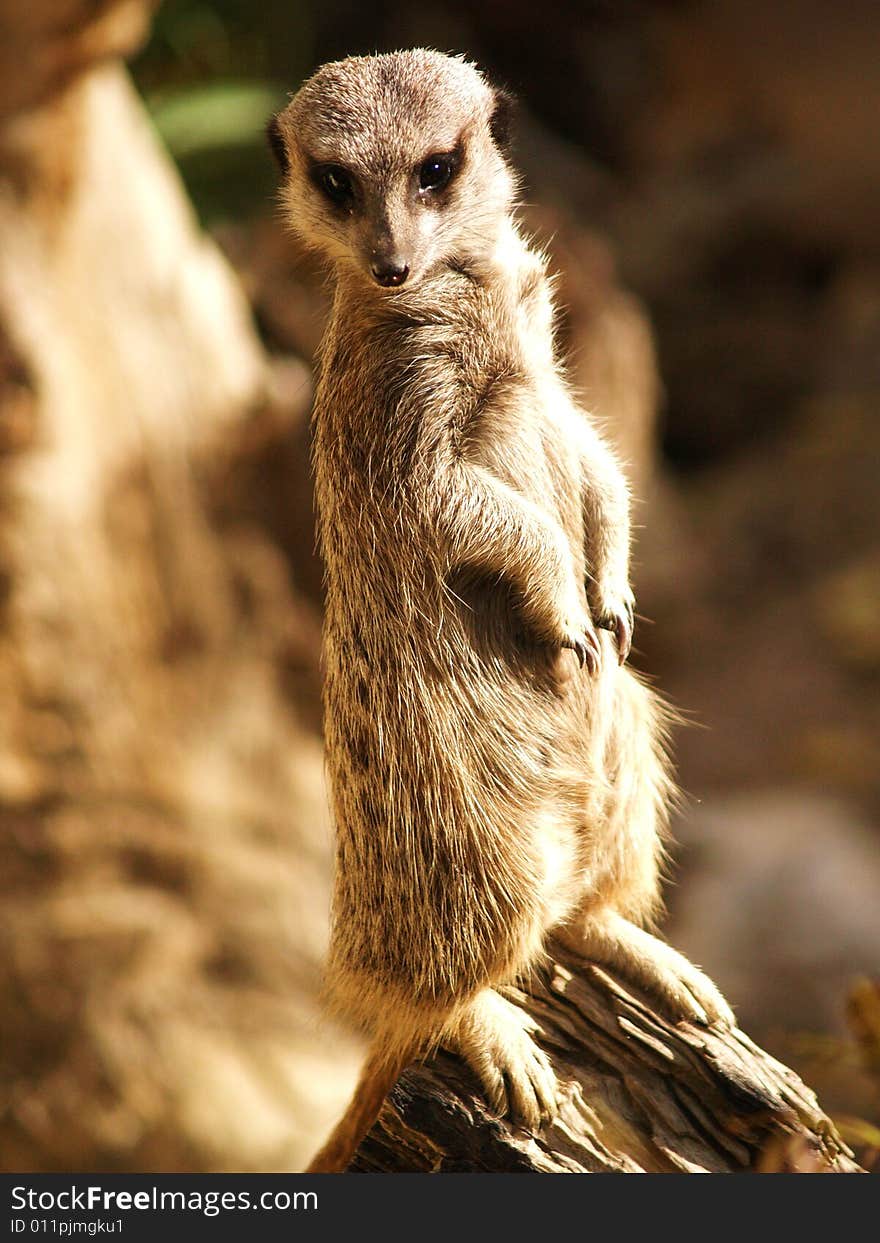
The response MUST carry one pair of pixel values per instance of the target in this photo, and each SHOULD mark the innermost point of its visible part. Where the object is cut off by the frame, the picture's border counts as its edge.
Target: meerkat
(497, 772)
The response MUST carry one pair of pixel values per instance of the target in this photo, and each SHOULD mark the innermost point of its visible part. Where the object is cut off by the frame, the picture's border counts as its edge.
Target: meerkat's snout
(388, 250)
(385, 259)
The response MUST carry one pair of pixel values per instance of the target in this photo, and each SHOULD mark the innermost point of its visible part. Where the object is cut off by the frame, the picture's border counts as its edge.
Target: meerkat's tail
(642, 793)
(379, 1075)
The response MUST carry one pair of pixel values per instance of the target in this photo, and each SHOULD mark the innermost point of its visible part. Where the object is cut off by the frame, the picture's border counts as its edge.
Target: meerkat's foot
(615, 611)
(495, 1038)
(684, 990)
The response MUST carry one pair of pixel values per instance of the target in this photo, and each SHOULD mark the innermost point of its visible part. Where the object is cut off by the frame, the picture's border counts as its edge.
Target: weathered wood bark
(638, 1094)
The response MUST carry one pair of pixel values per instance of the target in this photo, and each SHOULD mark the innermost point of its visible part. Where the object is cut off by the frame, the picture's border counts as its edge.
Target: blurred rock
(848, 607)
(778, 901)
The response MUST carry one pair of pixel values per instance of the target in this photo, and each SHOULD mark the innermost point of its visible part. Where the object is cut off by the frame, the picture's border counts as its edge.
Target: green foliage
(205, 40)
(208, 118)
(212, 73)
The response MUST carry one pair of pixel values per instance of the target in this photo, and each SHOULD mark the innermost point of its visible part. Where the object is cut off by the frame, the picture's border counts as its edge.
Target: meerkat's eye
(336, 184)
(436, 172)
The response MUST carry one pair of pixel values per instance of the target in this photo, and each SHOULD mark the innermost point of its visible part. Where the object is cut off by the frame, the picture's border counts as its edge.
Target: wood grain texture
(638, 1093)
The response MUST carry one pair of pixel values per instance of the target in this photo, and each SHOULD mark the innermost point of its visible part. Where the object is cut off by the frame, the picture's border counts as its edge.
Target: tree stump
(638, 1094)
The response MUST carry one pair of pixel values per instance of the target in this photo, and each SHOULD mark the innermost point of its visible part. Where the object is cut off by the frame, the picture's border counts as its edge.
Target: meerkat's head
(393, 165)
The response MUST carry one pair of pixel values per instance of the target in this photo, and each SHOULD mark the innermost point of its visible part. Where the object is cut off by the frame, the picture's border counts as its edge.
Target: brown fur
(474, 528)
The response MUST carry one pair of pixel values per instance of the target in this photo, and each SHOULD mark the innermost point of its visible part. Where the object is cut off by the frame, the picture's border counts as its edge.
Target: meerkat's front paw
(615, 611)
(584, 642)
(495, 1038)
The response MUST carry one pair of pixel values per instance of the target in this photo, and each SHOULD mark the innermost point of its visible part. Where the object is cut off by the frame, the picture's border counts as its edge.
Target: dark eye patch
(436, 172)
(335, 183)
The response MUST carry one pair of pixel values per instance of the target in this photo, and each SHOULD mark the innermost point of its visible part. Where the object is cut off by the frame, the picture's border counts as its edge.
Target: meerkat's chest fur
(427, 375)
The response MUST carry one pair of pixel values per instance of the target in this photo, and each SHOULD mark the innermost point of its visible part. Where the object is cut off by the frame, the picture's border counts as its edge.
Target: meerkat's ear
(276, 142)
(502, 118)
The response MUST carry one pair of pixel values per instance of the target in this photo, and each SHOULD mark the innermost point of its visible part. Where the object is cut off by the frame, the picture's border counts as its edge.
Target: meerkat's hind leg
(606, 937)
(496, 1039)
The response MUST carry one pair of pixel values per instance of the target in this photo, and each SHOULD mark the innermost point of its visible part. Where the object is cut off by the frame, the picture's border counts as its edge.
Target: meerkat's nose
(389, 272)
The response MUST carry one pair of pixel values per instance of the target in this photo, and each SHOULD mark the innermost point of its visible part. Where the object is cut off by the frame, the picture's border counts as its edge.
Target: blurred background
(706, 174)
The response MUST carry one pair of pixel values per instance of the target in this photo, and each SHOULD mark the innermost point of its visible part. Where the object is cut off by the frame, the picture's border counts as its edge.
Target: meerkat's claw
(620, 626)
(530, 1095)
(620, 620)
(623, 633)
(684, 990)
(718, 1012)
(689, 992)
(678, 999)
(694, 997)
(496, 1039)
(585, 646)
